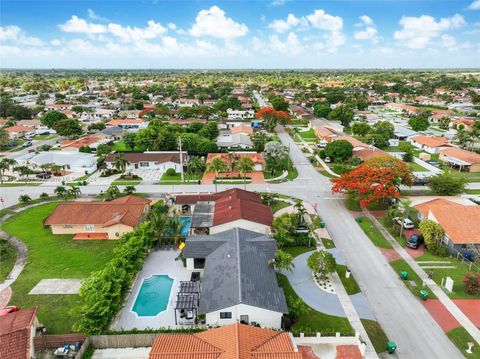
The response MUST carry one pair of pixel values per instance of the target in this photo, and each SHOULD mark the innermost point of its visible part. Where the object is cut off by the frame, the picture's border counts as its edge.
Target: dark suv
(415, 241)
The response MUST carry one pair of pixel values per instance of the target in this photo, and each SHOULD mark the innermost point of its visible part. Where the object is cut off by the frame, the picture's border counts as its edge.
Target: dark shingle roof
(237, 270)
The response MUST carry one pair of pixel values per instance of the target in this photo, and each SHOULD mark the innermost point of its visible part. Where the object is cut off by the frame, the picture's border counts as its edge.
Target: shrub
(171, 172)
(471, 281)
(438, 250)
(322, 154)
(340, 168)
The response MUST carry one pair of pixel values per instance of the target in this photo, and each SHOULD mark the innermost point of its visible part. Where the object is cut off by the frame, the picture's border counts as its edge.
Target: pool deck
(157, 263)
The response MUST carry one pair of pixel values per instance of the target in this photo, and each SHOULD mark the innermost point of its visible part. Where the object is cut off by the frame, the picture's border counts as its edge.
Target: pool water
(186, 228)
(153, 296)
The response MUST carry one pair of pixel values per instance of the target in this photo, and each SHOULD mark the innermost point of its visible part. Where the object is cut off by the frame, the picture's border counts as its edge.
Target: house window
(225, 315)
(67, 226)
(144, 164)
(89, 228)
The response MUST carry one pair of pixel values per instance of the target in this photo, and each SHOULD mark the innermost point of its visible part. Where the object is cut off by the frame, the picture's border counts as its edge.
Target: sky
(240, 34)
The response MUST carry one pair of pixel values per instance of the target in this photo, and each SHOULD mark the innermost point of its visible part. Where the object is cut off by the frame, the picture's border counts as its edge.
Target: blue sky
(240, 34)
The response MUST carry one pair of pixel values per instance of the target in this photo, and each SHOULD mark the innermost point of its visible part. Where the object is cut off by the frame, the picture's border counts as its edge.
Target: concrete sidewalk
(444, 299)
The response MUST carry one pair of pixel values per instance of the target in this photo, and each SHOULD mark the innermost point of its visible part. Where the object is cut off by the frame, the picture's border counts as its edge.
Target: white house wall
(241, 223)
(266, 318)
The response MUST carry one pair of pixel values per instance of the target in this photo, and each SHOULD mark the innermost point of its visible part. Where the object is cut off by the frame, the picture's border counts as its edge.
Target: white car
(407, 223)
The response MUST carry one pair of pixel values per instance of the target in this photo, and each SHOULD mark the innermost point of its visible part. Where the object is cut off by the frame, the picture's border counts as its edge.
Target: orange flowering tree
(273, 117)
(374, 181)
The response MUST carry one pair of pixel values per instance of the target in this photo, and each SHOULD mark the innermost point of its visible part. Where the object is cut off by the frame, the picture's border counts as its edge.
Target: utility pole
(181, 156)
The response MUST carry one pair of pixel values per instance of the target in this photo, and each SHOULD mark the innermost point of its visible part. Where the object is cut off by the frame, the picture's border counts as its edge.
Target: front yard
(52, 256)
(177, 178)
(374, 234)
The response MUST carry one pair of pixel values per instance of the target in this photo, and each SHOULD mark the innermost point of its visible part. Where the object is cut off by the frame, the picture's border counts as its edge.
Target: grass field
(309, 320)
(177, 178)
(52, 256)
(328, 243)
(126, 183)
(278, 205)
(399, 266)
(460, 337)
(415, 167)
(374, 234)
(20, 184)
(8, 256)
(376, 334)
(308, 135)
(350, 283)
(44, 137)
(456, 274)
(296, 251)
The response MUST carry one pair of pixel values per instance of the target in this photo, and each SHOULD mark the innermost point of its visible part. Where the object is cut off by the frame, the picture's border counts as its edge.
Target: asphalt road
(402, 316)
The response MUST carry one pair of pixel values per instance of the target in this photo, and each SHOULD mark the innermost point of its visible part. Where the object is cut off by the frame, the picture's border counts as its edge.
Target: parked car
(9, 309)
(27, 144)
(302, 229)
(407, 223)
(434, 163)
(11, 144)
(327, 160)
(44, 176)
(419, 181)
(415, 241)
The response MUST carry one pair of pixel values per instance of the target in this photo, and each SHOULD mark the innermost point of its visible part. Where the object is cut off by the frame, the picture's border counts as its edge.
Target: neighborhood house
(150, 160)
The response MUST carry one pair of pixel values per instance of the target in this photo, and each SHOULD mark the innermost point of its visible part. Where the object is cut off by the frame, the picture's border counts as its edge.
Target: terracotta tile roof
(430, 141)
(348, 352)
(362, 150)
(322, 132)
(464, 121)
(28, 123)
(18, 129)
(257, 158)
(84, 141)
(127, 211)
(462, 155)
(127, 121)
(235, 341)
(15, 334)
(459, 222)
(241, 129)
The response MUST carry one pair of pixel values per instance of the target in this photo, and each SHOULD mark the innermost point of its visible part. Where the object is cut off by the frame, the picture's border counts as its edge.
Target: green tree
(217, 166)
(342, 113)
(321, 109)
(74, 192)
(361, 128)
(24, 199)
(196, 165)
(339, 151)
(384, 129)
(4, 137)
(431, 231)
(112, 192)
(120, 163)
(129, 190)
(446, 184)
(50, 118)
(245, 165)
(419, 123)
(5, 165)
(210, 130)
(68, 127)
(129, 140)
(283, 261)
(322, 263)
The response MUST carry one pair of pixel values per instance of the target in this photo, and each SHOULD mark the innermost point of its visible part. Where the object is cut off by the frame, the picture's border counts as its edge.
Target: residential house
(98, 115)
(459, 222)
(240, 114)
(411, 110)
(113, 133)
(127, 124)
(33, 124)
(257, 158)
(458, 122)
(217, 212)
(362, 150)
(184, 122)
(58, 107)
(77, 162)
(235, 138)
(239, 284)
(185, 102)
(99, 219)
(16, 132)
(17, 333)
(437, 115)
(129, 114)
(403, 134)
(149, 160)
(92, 141)
(325, 135)
(430, 144)
(462, 160)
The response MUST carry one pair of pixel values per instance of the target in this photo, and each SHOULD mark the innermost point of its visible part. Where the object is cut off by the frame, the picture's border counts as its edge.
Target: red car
(8, 310)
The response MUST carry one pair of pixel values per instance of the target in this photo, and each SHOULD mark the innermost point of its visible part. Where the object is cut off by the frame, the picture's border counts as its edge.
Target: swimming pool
(153, 296)
(186, 228)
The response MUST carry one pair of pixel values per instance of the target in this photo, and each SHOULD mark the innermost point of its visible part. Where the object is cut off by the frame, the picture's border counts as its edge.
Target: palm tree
(282, 261)
(175, 228)
(245, 165)
(158, 221)
(61, 192)
(55, 169)
(232, 159)
(5, 165)
(120, 163)
(74, 192)
(217, 166)
(407, 210)
(196, 165)
(301, 211)
(112, 192)
(24, 199)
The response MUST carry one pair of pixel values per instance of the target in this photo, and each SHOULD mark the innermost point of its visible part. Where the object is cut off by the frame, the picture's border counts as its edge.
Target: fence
(471, 266)
(117, 341)
(42, 342)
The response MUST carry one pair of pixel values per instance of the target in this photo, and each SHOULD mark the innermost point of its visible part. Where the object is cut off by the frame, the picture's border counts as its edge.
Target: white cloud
(172, 26)
(282, 26)
(93, 16)
(290, 46)
(321, 20)
(475, 5)
(130, 34)
(77, 25)
(417, 32)
(213, 22)
(369, 32)
(15, 34)
(278, 2)
(448, 41)
(55, 42)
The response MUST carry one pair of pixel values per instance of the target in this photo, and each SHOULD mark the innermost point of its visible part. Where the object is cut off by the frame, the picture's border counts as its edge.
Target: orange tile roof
(128, 211)
(430, 141)
(126, 121)
(459, 222)
(15, 334)
(348, 352)
(241, 129)
(235, 341)
(462, 155)
(18, 129)
(84, 141)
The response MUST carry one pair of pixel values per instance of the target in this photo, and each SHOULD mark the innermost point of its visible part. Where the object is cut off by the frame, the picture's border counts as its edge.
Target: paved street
(403, 317)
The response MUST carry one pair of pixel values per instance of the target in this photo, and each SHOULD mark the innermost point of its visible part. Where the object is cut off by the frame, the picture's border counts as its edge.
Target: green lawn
(374, 234)
(278, 205)
(126, 183)
(309, 320)
(20, 184)
(376, 334)
(415, 167)
(350, 284)
(268, 175)
(308, 135)
(8, 256)
(472, 191)
(292, 174)
(177, 178)
(460, 337)
(296, 251)
(52, 256)
(399, 266)
(469, 176)
(456, 274)
(44, 137)
(328, 243)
